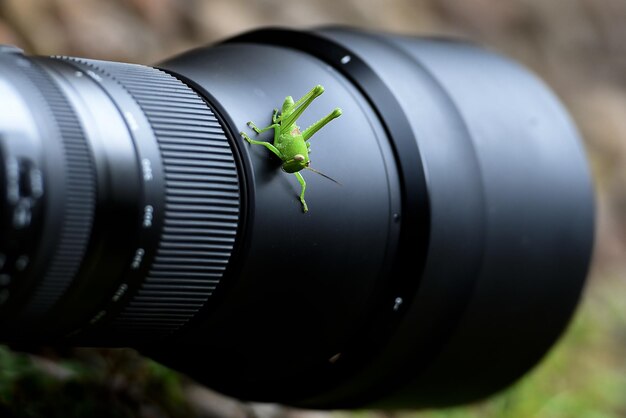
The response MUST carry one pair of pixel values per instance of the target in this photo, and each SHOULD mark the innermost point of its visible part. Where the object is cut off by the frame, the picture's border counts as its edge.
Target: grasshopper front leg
(305, 208)
(265, 144)
(260, 131)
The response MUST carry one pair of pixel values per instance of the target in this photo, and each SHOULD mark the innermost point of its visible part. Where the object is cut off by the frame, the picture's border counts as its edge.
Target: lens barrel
(446, 263)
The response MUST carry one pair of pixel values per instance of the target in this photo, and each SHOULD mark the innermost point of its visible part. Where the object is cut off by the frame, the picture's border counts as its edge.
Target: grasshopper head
(297, 163)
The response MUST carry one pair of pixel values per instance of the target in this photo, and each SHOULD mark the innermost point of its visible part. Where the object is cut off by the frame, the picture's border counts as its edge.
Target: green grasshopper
(290, 144)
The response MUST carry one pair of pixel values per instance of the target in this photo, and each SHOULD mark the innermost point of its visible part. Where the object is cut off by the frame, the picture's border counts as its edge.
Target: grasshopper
(291, 144)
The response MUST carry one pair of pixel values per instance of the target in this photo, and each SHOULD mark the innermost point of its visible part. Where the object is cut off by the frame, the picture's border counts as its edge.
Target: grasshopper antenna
(323, 175)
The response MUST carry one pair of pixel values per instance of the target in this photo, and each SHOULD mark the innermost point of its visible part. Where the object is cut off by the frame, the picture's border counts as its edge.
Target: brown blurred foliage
(577, 46)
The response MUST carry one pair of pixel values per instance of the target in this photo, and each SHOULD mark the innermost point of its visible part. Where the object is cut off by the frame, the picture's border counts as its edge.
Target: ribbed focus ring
(201, 202)
(79, 202)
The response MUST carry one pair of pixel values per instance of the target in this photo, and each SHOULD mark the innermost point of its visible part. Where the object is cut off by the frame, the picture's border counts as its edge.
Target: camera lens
(443, 263)
(137, 194)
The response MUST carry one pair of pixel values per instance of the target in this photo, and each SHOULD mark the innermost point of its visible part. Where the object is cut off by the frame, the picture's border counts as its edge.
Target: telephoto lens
(186, 210)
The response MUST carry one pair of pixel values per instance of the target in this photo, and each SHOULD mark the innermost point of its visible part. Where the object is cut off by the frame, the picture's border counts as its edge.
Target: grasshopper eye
(298, 157)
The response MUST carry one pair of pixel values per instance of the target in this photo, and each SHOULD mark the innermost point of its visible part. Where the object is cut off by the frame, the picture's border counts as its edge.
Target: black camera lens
(442, 266)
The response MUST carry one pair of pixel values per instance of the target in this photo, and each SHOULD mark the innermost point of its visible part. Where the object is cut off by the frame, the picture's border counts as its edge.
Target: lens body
(445, 264)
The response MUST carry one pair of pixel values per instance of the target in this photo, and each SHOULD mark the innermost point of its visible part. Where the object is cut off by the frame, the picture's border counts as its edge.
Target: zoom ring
(201, 203)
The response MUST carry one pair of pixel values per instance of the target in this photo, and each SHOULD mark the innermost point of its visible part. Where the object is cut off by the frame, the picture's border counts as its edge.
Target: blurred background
(577, 46)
